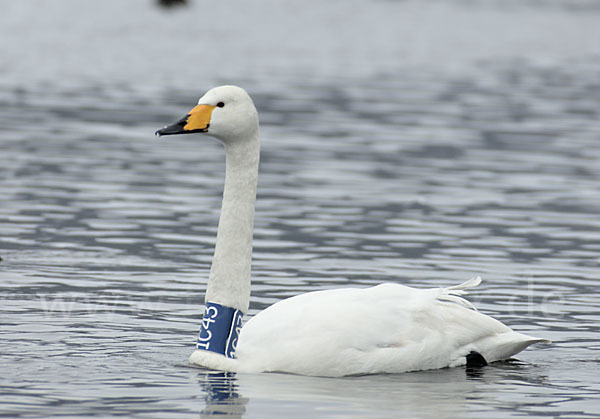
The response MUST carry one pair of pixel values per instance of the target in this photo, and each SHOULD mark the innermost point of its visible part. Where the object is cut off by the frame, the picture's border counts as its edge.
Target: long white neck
(229, 280)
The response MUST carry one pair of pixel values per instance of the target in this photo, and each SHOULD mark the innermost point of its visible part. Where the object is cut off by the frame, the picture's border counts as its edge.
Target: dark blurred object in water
(171, 3)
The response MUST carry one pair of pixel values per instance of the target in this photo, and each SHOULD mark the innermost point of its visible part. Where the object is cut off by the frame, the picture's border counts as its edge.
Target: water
(405, 142)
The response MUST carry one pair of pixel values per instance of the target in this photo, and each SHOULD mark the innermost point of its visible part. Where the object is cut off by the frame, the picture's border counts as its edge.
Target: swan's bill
(197, 120)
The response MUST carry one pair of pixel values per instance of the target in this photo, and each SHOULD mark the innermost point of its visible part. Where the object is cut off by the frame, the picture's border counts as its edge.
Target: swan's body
(383, 329)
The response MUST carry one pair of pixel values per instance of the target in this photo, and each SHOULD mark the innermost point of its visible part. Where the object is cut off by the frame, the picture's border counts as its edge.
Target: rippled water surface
(405, 142)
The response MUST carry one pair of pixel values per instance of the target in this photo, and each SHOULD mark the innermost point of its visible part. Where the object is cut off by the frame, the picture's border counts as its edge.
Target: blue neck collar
(220, 329)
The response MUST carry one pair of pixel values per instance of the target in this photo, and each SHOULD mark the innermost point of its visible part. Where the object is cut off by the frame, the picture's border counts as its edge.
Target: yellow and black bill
(197, 120)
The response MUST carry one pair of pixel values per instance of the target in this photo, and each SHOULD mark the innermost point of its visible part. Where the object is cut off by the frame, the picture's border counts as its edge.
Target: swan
(388, 328)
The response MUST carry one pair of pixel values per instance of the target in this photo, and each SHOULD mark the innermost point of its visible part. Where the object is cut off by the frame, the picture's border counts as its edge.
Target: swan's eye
(220, 104)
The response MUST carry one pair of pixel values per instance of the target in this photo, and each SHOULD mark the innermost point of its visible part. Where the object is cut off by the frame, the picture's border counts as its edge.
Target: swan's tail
(452, 294)
(504, 345)
(496, 344)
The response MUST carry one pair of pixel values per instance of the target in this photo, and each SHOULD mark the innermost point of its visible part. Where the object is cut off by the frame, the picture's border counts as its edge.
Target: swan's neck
(229, 280)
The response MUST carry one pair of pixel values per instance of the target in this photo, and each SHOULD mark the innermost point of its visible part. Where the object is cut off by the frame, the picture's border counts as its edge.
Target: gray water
(409, 142)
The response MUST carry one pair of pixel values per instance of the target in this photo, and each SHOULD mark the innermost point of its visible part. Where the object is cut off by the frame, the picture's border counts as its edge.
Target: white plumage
(388, 328)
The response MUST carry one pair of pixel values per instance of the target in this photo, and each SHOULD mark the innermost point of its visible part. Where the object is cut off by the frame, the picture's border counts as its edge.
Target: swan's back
(383, 329)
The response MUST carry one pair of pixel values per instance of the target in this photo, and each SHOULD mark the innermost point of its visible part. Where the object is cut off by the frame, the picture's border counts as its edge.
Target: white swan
(388, 328)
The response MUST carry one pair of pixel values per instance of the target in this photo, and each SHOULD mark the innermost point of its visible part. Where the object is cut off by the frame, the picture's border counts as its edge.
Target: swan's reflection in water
(222, 397)
(447, 393)
(437, 394)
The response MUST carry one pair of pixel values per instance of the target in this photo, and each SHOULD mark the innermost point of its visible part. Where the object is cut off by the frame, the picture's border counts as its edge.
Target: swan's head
(224, 112)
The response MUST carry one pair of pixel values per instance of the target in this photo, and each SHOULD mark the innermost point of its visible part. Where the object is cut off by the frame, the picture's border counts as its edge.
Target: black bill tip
(173, 129)
(178, 128)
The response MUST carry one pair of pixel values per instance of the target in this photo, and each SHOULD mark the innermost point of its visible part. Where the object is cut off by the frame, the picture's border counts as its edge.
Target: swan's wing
(453, 294)
(387, 328)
